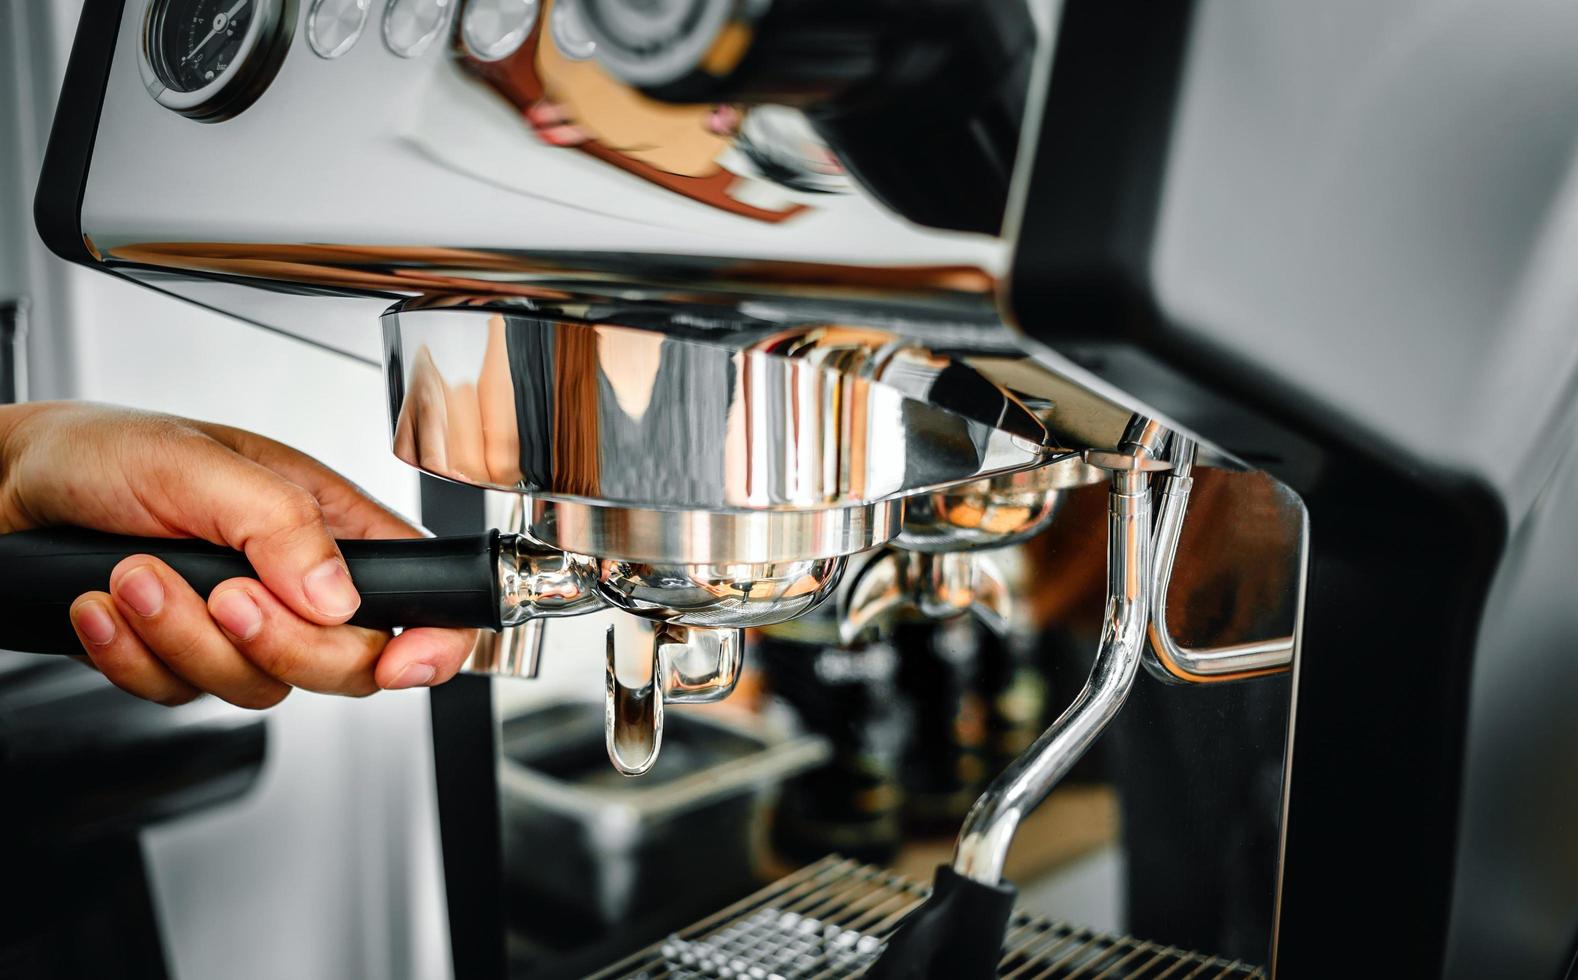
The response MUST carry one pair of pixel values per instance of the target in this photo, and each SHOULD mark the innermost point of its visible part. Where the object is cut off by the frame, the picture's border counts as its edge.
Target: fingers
(422, 431)
(496, 406)
(347, 509)
(119, 654)
(423, 657)
(334, 659)
(154, 637)
(171, 621)
(277, 523)
(465, 434)
(326, 659)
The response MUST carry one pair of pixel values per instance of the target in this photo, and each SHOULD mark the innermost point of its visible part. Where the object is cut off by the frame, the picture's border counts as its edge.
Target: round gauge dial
(495, 29)
(334, 26)
(209, 59)
(569, 32)
(411, 26)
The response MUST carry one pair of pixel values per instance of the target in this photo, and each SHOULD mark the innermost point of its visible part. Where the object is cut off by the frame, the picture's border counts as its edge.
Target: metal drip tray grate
(832, 918)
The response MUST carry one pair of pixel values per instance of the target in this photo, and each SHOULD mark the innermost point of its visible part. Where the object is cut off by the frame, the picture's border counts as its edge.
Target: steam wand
(959, 931)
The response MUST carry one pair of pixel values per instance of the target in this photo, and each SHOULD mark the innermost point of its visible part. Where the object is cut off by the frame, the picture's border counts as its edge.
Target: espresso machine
(765, 311)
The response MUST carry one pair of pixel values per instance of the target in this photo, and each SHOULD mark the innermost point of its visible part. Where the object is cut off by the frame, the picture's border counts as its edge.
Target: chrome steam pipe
(1170, 660)
(990, 825)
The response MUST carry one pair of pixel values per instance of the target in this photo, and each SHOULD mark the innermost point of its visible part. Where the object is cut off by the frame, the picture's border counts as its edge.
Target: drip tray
(831, 919)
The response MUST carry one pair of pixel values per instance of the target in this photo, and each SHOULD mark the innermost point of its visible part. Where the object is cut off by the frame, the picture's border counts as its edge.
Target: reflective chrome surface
(410, 27)
(703, 537)
(495, 29)
(989, 827)
(515, 651)
(994, 512)
(721, 595)
(334, 26)
(688, 665)
(538, 582)
(646, 408)
(1169, 660)
(899, 583)
(447, 174)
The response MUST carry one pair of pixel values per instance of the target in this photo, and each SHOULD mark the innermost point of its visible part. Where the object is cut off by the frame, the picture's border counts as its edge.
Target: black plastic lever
(451, 581)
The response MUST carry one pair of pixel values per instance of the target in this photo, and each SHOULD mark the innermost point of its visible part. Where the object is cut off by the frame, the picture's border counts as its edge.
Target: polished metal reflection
(896, 584)
(700, 665)
(1170, 660)
(692, 415)
(431, 186)
(720, 595)
(699, 537)
(989, 827)
(569, 33)
(539, 582)
(783, 146)
(992, 513)
(411, 26)
(688, 665)
(495, 29)
(334, 26)
(515, 651)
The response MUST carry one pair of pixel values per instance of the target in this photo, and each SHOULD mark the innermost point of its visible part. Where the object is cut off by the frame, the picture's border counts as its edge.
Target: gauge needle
(219, 25)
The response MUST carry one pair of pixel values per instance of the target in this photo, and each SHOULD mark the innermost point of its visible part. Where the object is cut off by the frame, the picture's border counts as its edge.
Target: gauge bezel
(329, 54)
(257, 61)
(506, 46)
(422, 44)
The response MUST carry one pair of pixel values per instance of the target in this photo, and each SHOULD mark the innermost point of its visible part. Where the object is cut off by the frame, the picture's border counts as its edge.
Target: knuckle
(297, 509)
(282, 660)
(182, 646)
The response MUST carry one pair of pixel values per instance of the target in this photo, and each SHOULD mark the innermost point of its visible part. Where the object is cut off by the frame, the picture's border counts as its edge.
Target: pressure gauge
(411, 26)
(334, 26)
(492, 30)
(209, 59)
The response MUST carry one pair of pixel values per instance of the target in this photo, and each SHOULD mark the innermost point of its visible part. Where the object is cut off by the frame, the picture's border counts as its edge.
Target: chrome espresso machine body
(771, 309)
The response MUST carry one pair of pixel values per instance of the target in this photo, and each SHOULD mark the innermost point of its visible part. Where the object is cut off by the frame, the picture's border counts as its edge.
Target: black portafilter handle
(448, 582)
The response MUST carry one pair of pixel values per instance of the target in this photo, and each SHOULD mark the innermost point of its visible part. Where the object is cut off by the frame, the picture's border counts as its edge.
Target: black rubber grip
(451, 581)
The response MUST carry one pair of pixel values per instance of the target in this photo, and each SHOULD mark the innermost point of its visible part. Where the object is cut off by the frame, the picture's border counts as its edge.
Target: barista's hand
(248, 642)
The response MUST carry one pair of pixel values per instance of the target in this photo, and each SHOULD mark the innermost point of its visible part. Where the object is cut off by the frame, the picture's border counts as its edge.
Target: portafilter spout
(701, 577)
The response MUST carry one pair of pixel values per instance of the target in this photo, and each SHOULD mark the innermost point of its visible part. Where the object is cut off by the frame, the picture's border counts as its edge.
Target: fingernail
(95, 623)
(237, 613)
(330, 591)
(563, 135)
(415, 675)
(142, 591)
